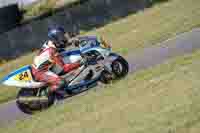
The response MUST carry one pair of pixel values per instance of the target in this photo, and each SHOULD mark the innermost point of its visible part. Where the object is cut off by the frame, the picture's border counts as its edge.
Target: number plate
(24, 76)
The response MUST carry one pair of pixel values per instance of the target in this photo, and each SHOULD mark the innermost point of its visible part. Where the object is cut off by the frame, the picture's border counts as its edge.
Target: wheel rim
(117, 67)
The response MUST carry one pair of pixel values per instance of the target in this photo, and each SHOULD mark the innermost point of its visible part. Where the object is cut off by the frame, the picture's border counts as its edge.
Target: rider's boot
(60, 91)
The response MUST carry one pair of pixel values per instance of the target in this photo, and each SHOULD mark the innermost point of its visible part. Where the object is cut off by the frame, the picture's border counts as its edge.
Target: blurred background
(24, 23)
(21, 3)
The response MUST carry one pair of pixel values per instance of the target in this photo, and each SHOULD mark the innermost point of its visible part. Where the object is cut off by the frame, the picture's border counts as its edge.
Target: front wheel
(32, 100)
(120, 67)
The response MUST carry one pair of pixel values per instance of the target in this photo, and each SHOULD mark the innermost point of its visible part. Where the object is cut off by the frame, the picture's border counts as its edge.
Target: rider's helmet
(58, 35)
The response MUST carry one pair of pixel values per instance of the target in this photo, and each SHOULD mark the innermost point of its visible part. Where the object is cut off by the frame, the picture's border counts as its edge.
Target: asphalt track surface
(182, 44)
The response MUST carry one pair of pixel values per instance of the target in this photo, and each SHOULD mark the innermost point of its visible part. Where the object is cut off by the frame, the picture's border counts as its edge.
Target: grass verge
(161, 99)
(44, 7)
(134, 32)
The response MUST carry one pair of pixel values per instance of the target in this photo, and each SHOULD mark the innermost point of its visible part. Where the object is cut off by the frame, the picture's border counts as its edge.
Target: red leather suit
(47, 57)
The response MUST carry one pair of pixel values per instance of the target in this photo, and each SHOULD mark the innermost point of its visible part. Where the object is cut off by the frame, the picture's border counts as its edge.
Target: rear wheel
(32, 100)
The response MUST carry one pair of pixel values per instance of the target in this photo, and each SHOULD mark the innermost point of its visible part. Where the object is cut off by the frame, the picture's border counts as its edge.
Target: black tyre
(120, 67)
(29, 103)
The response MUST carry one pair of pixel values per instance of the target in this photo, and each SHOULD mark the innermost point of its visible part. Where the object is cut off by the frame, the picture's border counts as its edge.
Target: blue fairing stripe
(74, 52)
(87, 48)
(16, 72)
(88, 38)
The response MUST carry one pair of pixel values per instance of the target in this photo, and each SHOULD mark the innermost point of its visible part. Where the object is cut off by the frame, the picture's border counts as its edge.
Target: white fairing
(72, 58)
(32, 84)
(22, 78)
(41, 59)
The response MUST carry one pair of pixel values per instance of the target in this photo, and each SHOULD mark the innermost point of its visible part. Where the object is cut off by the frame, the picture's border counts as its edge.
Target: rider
(49, 56)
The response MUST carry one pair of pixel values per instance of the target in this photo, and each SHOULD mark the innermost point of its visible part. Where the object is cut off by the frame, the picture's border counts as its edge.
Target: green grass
(152, 25)
(132, 33)
(43, 7)
(163, 99)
